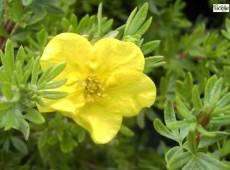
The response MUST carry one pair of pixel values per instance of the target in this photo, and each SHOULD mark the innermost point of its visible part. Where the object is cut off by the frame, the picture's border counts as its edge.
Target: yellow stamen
(93, 87)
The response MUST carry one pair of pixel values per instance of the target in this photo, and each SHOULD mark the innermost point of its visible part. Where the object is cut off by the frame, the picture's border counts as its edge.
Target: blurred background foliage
(192, 82)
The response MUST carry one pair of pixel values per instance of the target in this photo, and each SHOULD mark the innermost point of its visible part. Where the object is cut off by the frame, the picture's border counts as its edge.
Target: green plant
(188, 61)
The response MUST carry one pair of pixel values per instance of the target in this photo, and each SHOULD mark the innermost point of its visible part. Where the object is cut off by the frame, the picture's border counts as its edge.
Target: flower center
(93, 87)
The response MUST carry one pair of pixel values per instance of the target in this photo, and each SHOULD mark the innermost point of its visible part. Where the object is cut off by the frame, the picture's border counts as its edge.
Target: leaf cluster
(22, 85)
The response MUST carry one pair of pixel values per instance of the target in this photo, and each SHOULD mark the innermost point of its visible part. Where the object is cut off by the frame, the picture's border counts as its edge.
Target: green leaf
(207, 141)
(145, 27)
(33, 43)
(2, 11)
(210, 162)
(91, 25)
(189, 81)
(99, 20)
(172, 152)
(193, 164)
(18, 73)
(223, 103)
(28, 70)
(34, 116)
(50, 73)
(40, 102)
(212, 90)
(169, 114)
(227, 25)
(138, 20)
(42, 37)
(197, 103)
(52, 94)
(65, 23)
(3, 32)
(67, 143)
(42, 141)
(21, 55)
(35, 71)
(226, 33)
(112, 34)
(141, 119)
(8, 119)
(150, 46)
(126, 131)
(82, 24)
(5, 105)
(161, 129)
(191, 138)
(183, 111)
(81, 135)
(55, 71)
(153, 62)
(178, 124)
(225, 150)
(107, 26)
(222, 120)
(3, 76)
(19, 145)
(9, 54)
(7, 90)
(73, 20)
(8, 59)
(205, 132)
(55, 84)
(129, 21)
(23, 126)
(179, 160)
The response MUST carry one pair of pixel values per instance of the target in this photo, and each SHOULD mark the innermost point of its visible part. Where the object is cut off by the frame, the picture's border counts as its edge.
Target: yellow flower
(105, 82)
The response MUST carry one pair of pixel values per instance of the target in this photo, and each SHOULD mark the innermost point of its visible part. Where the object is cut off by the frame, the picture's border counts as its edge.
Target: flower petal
(130, 91)
(70, 48)
(113, 54)
(68, 105)
(102, 122)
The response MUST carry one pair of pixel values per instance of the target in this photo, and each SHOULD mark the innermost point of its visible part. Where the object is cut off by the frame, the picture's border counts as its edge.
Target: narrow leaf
(169, 114)
(126, 131)
(55, 84)
(7, 90)
(19, 145)
(197, 103)
(150, 46)
(161, 129)
(183, 111)
(145, 26)
(210, 162)
(22, 126)
(191, 138)
(5, 105)
(179, 160)
(138, 20)
(152, 62)
(178, 124)
(82, 24)
(35, 71)
(53, 94)
(209, 90)
(129, 21)
(34, 116)
(99, 20)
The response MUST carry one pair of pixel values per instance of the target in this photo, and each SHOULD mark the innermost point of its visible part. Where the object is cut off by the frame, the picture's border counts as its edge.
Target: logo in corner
(220, 7)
